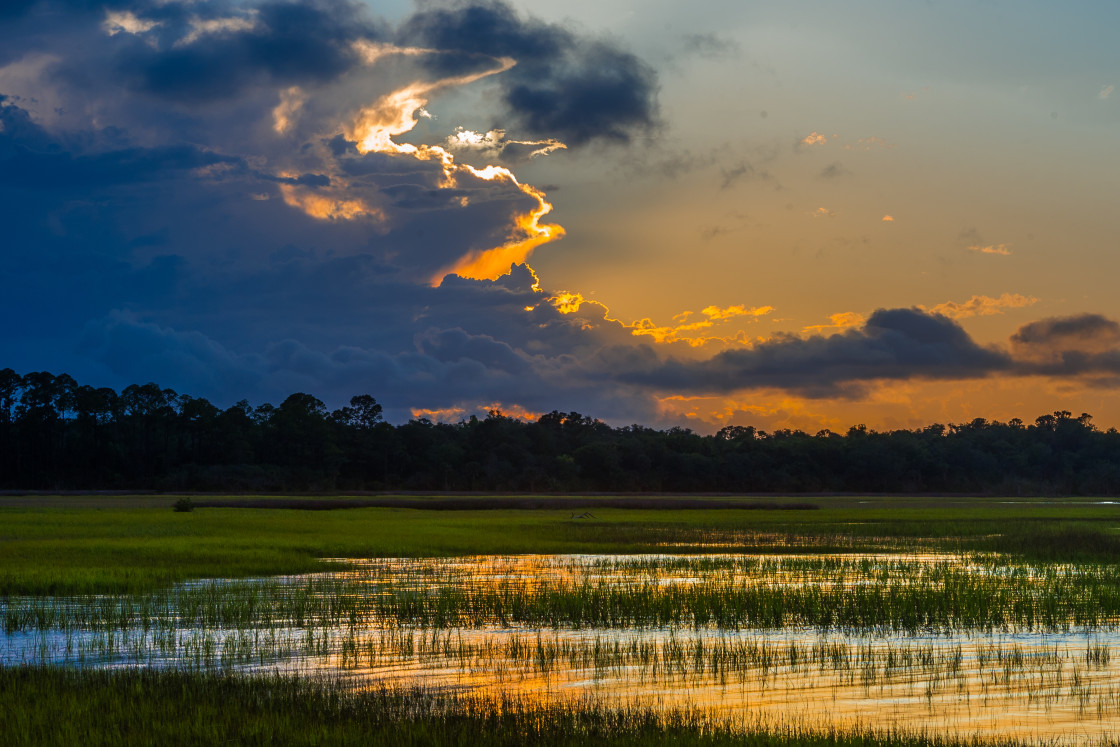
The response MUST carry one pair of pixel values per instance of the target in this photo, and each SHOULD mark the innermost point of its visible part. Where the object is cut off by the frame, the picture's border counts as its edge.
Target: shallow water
(1052, 685)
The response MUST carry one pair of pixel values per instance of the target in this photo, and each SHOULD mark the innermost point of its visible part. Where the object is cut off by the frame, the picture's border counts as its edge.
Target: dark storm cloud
(154, 229)
(1059, 332)
(444, 368)
(68, 172)
(1080, 345)
(893, 344)
(488, 29)
(456, 345)
(607, 95)
(122, 343)
(416, 197)
(564, 85)
(287, 43)
(303, 180)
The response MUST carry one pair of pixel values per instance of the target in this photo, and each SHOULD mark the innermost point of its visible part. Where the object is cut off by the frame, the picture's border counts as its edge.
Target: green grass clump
(50, 706)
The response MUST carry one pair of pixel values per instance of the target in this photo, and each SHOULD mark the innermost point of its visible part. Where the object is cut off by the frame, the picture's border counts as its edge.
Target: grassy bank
(46, 706)
(91, 544)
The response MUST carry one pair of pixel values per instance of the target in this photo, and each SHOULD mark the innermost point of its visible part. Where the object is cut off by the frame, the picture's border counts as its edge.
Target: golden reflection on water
(1025, 685)
(772, 570)
(1028, 687)
(1043, 687)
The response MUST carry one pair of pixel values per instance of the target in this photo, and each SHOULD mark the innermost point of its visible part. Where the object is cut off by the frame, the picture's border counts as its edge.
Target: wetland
(839, 624)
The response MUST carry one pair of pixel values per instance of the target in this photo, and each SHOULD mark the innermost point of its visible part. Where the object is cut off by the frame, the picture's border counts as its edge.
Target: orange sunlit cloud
(888, 218)
(780, 410)
(371, 52)
(716, 313)
(396, 113)
(444, 415)
(327, 207)
(666, 334)
(393, 114)
(567, 302)
(843, 320)
(678, 332)
(1002, 250)
(528, 234)
(373, 128)
(814, 138)
(457, 414)
(983, 305)
(513, 411)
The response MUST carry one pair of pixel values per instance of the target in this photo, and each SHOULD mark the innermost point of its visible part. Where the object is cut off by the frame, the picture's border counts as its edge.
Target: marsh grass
(848, 593)
(50, 706)
(1057, 542)
(96, 545)
(122, 586)
(929, 629)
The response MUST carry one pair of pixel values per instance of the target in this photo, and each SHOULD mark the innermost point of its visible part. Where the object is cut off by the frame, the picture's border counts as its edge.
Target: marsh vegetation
(960, 644)
(48, 706)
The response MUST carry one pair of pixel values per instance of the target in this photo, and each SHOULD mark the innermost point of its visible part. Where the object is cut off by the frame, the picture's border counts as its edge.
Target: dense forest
(58, 435)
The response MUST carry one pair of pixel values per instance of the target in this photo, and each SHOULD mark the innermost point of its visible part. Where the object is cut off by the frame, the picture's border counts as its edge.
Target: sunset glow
(528, 234)
(763, 206)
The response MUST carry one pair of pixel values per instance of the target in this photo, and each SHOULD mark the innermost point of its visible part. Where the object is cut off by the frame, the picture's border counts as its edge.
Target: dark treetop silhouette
(56, 434)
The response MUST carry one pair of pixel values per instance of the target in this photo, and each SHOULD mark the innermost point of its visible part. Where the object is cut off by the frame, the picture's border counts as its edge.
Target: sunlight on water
(1043, 670)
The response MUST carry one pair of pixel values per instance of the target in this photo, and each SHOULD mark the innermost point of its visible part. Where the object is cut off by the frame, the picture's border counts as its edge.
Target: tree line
(56, 434)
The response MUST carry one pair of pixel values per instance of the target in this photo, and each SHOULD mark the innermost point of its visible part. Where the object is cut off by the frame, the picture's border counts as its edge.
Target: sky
(786, 214)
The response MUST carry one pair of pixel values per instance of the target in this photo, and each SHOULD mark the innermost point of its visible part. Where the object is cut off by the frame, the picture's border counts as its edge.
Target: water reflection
(1019, 682)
